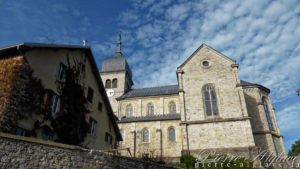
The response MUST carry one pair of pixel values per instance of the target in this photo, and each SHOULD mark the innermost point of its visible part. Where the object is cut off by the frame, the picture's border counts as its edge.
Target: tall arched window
(172, 107)
(145, 135)
(129, 110)
(108, 83)
(267, 112)
(172, 134)
(114, 83)
(210, 100)
(150, 109)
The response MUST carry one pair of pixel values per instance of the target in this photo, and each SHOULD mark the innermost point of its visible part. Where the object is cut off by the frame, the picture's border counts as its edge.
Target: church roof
(248, 84)
(117, 62)
(150, 91)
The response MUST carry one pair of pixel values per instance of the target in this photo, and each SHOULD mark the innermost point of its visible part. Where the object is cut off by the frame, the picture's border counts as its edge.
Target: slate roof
(115, 63)
(161, 117)
(248, 84)
(150, 91)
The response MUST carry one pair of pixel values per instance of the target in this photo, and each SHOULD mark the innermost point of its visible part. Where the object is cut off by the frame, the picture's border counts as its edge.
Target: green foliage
(295, 150)
(149, 157)
(188, 160)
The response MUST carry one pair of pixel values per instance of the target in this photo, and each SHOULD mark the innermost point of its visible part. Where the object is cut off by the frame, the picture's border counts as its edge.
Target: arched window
(172, 134)
(210, 100)
(150, 109)
(145, 135)
(267, 112)
(108, 83)
(172, 107)
(114, 83)
(129, 111)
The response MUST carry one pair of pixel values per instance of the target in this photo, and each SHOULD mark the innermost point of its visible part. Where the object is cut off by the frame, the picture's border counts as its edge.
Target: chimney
(84, 42)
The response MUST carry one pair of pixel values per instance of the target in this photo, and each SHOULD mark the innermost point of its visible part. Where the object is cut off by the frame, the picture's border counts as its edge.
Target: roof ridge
(154, 87)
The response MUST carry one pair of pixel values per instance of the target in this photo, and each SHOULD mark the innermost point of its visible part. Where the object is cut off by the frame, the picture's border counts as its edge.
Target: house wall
(45, 63)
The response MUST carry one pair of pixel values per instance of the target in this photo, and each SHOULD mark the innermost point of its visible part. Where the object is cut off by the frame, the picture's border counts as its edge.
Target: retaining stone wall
(23, 152)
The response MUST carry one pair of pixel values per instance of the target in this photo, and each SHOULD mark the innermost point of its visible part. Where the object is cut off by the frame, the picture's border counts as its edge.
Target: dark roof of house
(150, 91)
(25, 46)
(246, 84)
(161, 117)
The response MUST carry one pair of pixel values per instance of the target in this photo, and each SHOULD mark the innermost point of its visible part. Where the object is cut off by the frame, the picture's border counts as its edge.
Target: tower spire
(119, 43)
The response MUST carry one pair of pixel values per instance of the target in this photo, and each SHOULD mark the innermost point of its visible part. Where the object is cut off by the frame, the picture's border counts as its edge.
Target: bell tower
(116, 76)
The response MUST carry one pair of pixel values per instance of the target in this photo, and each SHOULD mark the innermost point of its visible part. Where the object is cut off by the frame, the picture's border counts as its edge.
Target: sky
(263, 36)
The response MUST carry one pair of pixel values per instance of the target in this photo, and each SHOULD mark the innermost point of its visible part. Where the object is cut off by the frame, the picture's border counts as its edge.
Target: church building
(209, 108)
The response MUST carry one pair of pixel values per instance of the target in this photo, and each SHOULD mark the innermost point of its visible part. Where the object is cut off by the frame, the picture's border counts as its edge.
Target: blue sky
(263, 36)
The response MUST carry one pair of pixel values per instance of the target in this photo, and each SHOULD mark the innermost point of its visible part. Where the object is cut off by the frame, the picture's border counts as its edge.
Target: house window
(172, 134)
(61, 72)
(55, 106)
(100, 106)
(129, 110)
(150, 109)
(93, 126)
(210, 101)
(267, 112)
(145, 135)
(172, 107)
(90, 95)
(20, 132)
(46, 137)
(108, 83)
(108, 138)
(114, 83)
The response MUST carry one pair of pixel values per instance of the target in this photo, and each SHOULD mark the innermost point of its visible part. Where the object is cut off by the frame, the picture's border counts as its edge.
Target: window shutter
(90, 125)
(49, 100)
(106, 136)
(100, 106)
(90, 95)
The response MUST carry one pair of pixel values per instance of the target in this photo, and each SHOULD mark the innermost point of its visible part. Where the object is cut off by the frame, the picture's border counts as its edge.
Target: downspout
(180, 72)
(186, 125)
(134, 144)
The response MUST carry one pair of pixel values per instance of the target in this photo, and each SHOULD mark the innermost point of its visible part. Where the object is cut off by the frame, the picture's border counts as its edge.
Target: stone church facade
(209, 108)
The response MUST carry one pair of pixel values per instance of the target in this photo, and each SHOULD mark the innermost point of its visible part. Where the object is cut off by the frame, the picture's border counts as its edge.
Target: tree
(295, 150)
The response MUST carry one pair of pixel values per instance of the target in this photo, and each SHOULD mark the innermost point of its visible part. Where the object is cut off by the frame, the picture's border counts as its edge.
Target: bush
(188, 160)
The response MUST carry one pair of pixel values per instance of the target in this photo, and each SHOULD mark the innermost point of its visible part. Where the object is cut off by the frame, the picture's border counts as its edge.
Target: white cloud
(262, 38)
(289, 118)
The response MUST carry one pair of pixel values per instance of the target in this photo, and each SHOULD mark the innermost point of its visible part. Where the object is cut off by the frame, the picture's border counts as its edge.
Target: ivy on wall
(25, 97)
(70, 125)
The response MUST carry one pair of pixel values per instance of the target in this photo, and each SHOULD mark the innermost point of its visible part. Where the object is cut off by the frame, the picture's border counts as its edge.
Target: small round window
(205, 63)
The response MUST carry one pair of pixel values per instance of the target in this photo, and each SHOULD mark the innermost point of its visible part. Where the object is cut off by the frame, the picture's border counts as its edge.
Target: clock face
(110, 92)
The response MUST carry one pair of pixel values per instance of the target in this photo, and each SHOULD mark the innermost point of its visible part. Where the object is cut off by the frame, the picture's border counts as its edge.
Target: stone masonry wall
(23, 152)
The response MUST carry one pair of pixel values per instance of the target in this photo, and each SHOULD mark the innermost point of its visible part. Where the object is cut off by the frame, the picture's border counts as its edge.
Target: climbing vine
(70, 125)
